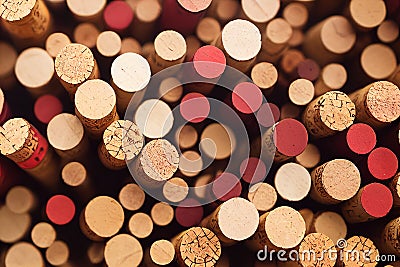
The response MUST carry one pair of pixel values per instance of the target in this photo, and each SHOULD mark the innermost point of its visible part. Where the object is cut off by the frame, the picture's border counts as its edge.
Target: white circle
(292, 182)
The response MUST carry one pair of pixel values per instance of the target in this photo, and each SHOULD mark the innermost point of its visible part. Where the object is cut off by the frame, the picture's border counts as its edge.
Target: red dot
(247, 97)
(47, 107)
(361, 138)
(377, 200)
(382, 163)
(60, 209)
(290, 137)
(268, 114)
(189, 213)
(118, 15)
(209, 61)
(194, 107)
(253, 170)
(226, 186)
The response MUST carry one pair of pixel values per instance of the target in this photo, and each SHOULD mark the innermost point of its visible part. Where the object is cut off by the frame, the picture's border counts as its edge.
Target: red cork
(382, 163)
(308, 69)
(247, 97)
(47, 107)
(291, 137)
(268, 114)
(361, 138)
(118, 15)
(226, 186)
(189, 213)
(194, 107)
(253, 170)
(38, 155)
(209, 61)
(183, 15)
(376, 200)
(60, 209)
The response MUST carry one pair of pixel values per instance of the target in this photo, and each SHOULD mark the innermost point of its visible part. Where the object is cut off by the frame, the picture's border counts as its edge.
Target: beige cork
(333, 77)
(308, 216)
(85, 12)
(292, 182)
(224, 10)
(290, 110)
(24, 254)
(328, 114)
(296, 14)
(86, 34)
(297, 38)
(197, 246)
(320, 244)
(190, 163)
(301, 92)
(130, 45)
(377, 104)
(328, 189)
(378, 61)
(187, 136)
(140, 225)
(95, 252)
(217, 141)
(310, 157)
(331, 224)
(260, 11)
(390, 238)
(21, 199)
(55, 42)
(264, 75)
(362, 246)
(162, 214)
(108, 43)
(43, 235)
(170, 90)
(74, 65)
(276, 36)
(175, 189)
(95, 106)
(131, 197)
(208, 30)
(162, 252)
(388, 31)
(290, 60)
(394, 186)
(13, 226)
(367, 14)
(145, 19)
(58, 253)
(123, 251)
(263, 196)
(74, 174)
(8, 56)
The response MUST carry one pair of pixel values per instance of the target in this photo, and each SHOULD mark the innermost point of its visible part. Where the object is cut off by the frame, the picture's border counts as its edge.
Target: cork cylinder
(389, 241)
(319, 244)
(358, 245)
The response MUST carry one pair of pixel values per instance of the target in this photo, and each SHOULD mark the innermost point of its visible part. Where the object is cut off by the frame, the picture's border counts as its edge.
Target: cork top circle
(337, 35)
(260, 11)
(123, 250)
(383, 101)
(195, 5)
(65, 131)
(15, 10)
(170, 45)
(15, 133)
(84, 9)
(368, 13)
(24, 254)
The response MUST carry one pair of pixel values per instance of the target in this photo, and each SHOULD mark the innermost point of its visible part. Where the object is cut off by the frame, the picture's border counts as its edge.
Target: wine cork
(131, 197)
(389, 238)
(145, 20)
(263, 196)
(378, 61)
(217, 141)
(21, 199)
(34, 70)
(329, 40)
(310, 157)
(13, 226)
(60, 209)
(23, 144)
(118, 16)
(253, 170)
(327, 188)
(301, 92)
(382, 163)
(140, 225)
(108, 43)
(247, 97)
(197, 246)
(129, 44)
(47, 107)
(367, 14)
(29, 21)
(66, 134)
(162, 214)
(192, 45)
(55, 42)
(224, 10)
(208, 30)
(175, 189)
(281, 228)
(388, 31)
(154, 118)
(122, 251)
(377, 103)
(147, 50)
(74, 65)
(241, 42)
(169, 49)
(43, 235)
(297, 38)
(95, 106)
(85, 12)
(373, 201)
(122, 141)
(189, 213)
(328, 114)
(292, 182)
(158, 162)
(74, 174)
(264, 75)
(102, 217)
(190, 163)
(367, 252)
(24, 254)
(261, 11)
(209, 62)
(58, 253)
(308, 69)
(333, 77)
(95, 252)
(308, 217)
(187, 136)
(319, 244)
(226, 186)
(290, 60)
(170, 90)
(126, 84)
(394, 186)
(330, 224)
(9, 55)
(86, 34)
(268, 114)
(361, 138)
(234, 220)
(296, 14)
(162, 252)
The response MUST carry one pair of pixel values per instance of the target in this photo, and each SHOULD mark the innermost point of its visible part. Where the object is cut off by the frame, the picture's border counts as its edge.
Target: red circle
(308, 69)
(382, 163)
(376, 199)
(118, 15)
(194, 107)
(60, 209)
(189, 213)
(268, 114)
(253, 170)
(226, 186)
(290, 137)
(47, 107)
(247, 97)
(361, 138)
(209, 61)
